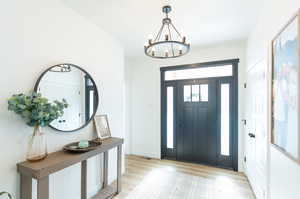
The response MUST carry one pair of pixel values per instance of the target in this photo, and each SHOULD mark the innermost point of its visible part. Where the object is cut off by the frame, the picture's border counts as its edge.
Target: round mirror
(76, 86)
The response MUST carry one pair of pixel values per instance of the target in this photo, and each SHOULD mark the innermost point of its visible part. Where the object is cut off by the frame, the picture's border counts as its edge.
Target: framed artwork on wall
(285, 96)
(102, 126)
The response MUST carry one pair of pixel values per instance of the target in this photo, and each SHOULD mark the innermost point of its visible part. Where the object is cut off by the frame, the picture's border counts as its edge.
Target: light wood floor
(166, 179)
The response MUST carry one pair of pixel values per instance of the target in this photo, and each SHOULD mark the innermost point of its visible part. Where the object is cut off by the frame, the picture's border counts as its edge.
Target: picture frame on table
(102, 127)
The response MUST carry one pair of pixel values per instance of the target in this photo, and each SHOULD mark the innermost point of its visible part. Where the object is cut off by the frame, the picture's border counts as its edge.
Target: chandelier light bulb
(180, 50)
(167, 37)
(166, 53)
(150, 38)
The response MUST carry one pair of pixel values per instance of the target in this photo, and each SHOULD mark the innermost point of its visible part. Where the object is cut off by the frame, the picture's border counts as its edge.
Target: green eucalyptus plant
(3, 193)
(35, 109)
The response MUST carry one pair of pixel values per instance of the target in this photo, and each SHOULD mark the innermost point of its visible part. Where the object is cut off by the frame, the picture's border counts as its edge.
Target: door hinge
(245, 85)
(244, 121)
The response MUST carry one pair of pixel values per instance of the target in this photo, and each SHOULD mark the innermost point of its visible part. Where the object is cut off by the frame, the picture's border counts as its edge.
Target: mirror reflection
(70, 82)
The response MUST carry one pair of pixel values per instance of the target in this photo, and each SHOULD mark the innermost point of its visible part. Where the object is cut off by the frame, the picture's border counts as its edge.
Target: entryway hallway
(166, 179)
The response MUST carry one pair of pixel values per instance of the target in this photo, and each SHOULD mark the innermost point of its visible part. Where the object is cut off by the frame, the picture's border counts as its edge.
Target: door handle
(251, 135)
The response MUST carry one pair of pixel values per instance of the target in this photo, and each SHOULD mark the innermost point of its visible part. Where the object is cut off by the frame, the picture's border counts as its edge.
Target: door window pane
(195, 93)
(225, 136)
(187, 93)
(170, 117)
(204, 92)
(204, 72)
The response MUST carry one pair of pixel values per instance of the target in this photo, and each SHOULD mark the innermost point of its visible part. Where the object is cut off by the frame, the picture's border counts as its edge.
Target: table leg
(119, 167)
(84, 179)
(26, 187)
(43, 188)
(105, 169)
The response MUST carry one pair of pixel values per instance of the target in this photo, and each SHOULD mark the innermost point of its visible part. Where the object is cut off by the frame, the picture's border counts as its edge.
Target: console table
(59, 160)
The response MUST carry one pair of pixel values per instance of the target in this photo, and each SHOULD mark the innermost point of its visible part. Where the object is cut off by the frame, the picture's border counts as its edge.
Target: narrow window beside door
(225, 120)
(170, 117)
(187, 93)
(91, 103)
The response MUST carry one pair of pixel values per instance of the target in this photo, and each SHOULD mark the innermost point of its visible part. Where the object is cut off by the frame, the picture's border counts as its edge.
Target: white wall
(284, 173)
(145, 94)
(35, 35)
(127, 108)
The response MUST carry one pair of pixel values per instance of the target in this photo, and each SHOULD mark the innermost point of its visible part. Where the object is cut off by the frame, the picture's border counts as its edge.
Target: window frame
(204, 77)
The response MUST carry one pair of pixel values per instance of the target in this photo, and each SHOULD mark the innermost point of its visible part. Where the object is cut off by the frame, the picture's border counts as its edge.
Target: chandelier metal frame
(168, 38)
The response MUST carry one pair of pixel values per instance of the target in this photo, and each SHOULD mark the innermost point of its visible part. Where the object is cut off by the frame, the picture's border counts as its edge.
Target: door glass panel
(225, 136)
(187, 93)
(204, 92)
(170, 117)
(195, 93)
(195, 73)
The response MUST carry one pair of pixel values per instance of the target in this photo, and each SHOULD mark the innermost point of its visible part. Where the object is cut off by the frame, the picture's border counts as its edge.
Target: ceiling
(205, 22)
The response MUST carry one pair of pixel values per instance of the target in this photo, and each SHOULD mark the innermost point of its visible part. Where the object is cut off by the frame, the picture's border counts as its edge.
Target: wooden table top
(59, 160)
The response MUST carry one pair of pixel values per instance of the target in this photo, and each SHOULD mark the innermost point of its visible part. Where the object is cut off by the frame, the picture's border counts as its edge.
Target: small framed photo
(102, 126)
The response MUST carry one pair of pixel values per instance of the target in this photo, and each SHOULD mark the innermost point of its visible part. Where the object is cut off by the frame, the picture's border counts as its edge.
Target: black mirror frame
(96, 93)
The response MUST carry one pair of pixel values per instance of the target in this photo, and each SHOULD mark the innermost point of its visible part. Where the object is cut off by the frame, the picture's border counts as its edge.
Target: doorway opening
(199, 111)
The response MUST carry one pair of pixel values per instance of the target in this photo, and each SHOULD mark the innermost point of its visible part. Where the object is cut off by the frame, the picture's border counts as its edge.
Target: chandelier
(168, 42)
